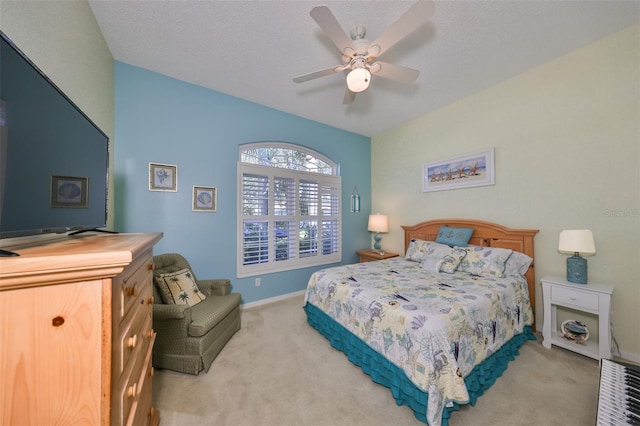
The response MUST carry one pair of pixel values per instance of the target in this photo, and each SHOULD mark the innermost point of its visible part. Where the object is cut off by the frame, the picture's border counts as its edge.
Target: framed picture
(470, 170)
(69, 192)
(163, 177)
(205, 199)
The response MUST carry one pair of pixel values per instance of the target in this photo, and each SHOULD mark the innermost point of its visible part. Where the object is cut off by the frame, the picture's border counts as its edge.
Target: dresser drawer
(132, 342)
(141, 305)
(136, 394)
(130, 283)
(144, 411)
(581, 299)
(132, 385)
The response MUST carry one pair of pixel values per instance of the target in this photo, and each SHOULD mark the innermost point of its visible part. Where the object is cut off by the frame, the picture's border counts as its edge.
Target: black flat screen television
(54, 160)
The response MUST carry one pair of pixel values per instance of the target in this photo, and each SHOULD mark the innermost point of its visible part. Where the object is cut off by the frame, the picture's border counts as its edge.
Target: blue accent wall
(159, 119)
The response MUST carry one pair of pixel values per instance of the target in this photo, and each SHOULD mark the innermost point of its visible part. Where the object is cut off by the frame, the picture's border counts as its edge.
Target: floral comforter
(435, 327)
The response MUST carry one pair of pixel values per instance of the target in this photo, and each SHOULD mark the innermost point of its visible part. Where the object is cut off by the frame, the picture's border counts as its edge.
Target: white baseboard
(630, 356)
(272, 299)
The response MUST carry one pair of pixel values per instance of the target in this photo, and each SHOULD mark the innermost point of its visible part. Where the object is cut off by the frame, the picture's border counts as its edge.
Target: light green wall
(566, 138)
(63, 39)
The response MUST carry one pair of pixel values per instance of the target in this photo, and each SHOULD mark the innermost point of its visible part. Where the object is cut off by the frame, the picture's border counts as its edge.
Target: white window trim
(298, 262)
(334, 166)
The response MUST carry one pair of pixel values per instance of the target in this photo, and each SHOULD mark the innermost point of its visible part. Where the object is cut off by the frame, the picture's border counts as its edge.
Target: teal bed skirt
(387, 374)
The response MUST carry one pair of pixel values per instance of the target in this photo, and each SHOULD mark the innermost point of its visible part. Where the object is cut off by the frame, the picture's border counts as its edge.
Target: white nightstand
(591, 298)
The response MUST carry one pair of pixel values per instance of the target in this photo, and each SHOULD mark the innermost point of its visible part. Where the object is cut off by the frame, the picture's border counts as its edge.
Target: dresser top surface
(108, 252)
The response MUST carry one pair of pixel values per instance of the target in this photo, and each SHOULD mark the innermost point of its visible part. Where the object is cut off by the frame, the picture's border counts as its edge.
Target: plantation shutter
(289, 219)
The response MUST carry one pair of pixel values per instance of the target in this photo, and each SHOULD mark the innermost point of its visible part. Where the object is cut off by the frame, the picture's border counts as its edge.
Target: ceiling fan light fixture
(358, 80)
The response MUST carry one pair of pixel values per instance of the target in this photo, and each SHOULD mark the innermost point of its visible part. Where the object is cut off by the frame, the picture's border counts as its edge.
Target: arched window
(289, 213)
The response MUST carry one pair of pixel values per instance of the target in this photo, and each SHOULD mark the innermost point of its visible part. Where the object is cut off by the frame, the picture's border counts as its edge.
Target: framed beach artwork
(205, 199)
(466, 171)
(69, 192)
(163, 177)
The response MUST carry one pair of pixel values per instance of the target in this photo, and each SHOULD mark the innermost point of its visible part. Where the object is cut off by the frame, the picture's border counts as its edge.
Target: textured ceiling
(253, 49)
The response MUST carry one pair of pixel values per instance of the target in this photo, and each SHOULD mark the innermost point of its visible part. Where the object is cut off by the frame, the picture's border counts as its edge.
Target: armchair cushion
(179, 288)
(206, 315)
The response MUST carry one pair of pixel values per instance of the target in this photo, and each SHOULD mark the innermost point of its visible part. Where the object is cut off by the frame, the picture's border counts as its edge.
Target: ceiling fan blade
(318, 74)
(417, 15)
(349, 97)
(394, 72)
(329, 24)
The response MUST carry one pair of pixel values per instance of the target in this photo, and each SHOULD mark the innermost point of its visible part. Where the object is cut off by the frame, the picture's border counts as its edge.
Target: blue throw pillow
(454, 236)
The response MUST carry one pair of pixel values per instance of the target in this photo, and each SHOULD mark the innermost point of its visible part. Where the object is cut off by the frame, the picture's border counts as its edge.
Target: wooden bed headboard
(485, 234)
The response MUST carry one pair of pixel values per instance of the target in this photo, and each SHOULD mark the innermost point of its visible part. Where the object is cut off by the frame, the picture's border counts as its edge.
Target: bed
(438, 325)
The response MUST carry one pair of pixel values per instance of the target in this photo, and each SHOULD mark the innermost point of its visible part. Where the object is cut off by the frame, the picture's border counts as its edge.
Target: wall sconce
(378, 223)
(577, 242)
(355, 200)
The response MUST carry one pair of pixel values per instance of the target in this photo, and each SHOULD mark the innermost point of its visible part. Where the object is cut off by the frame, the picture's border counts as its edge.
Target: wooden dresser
(76, 332)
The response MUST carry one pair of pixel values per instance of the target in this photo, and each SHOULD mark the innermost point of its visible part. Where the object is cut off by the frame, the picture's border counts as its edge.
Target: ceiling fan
(359, 55)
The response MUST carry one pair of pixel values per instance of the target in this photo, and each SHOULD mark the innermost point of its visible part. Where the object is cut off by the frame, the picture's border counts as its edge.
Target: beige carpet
(277, 370)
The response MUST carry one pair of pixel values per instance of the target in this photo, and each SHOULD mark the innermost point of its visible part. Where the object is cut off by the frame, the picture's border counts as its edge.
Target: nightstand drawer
(574, 297)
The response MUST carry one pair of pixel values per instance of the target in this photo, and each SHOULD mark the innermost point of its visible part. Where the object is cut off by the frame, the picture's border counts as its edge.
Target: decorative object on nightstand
(378, 223)
(371, 255)
(577, 242)
(355, 200)
(574, 330)
(594, 299)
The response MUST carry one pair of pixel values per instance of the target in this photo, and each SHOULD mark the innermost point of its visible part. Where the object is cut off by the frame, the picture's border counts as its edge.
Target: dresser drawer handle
(130, 291)
(150, 333)
(132, 341)
(150, 267)
(131, 390)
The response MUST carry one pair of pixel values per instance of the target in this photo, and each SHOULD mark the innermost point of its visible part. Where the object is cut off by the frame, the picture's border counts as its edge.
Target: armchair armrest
(217, 287)
(162, 312)
(171, 322)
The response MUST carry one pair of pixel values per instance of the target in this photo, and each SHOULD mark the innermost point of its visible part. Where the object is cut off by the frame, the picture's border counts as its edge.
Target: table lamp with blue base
(577, 242)
(378, 223)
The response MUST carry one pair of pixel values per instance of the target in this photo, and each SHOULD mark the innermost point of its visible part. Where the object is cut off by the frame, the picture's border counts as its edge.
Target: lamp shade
(378, 223)
(577, 241)
(358, 79)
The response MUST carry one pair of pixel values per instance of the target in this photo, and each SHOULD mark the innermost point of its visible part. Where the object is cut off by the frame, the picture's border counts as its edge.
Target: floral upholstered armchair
(194, 319)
